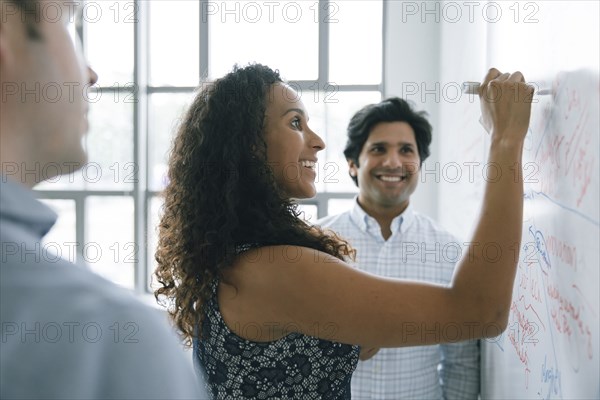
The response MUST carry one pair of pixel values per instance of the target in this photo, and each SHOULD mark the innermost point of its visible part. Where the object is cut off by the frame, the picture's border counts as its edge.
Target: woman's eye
(296, 123)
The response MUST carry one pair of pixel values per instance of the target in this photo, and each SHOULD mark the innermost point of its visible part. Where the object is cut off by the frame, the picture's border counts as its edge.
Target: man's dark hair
(393, 109)
(30, 16)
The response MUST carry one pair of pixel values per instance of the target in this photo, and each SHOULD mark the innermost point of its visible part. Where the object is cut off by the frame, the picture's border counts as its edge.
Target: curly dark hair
(222, 196)
(393, 109)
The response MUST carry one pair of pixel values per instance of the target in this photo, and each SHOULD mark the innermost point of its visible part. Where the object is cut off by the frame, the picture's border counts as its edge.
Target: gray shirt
(70, 334)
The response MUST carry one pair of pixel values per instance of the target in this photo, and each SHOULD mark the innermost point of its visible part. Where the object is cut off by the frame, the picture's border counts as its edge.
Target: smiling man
(387, 143)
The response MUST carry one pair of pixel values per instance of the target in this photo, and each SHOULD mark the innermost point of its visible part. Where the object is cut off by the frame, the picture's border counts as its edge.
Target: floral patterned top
(296, 366)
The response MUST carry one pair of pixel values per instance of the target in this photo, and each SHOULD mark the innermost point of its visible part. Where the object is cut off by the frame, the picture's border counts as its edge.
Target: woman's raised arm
(280, 289)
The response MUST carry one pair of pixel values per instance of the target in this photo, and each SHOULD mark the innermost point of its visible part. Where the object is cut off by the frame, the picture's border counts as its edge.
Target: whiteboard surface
(551, 348)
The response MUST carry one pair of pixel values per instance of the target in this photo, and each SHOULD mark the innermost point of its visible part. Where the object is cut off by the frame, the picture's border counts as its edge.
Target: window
(150, 57)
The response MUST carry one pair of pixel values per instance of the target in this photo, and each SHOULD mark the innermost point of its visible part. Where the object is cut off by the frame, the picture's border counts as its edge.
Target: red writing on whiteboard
(564, 251)
(566, 154)
(567, 318)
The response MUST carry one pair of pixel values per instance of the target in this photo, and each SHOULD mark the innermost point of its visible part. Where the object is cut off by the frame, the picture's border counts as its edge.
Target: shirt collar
(365, 222)
(18, 204)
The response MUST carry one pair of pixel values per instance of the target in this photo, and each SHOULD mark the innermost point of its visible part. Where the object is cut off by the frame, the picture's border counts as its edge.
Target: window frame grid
(142, 90)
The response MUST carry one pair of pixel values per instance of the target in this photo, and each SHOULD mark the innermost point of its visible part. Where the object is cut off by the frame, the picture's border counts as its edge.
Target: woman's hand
(505, 105)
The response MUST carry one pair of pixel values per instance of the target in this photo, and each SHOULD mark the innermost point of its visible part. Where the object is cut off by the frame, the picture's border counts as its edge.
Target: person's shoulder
(279, 262)
(115, 300)
(106, 323)
(274, 254)
(72, 291)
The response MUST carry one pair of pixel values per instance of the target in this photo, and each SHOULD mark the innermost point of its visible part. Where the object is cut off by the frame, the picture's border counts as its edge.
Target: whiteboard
(551, 348)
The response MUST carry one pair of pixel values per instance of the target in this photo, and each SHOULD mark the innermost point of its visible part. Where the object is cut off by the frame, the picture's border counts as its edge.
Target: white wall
(412, 60)
(462, 139)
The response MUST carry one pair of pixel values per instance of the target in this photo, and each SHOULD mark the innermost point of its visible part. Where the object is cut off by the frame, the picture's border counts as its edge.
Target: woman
(272, 308)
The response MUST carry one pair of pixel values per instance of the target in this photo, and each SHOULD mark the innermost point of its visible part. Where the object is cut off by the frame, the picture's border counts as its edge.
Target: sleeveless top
(296, 366)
